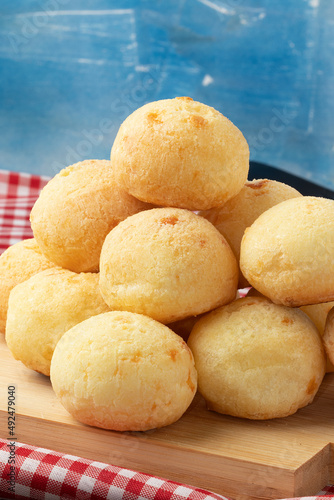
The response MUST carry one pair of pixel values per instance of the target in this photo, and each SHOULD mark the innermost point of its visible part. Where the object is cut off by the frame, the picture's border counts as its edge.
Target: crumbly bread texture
(242, 210)
(329, 335)
(317, 314)
(167, 263)
(123, 371)
(256, 359)
(76, 210)
(180, 153)
(43, 308)
(17, 264)
(288, 252)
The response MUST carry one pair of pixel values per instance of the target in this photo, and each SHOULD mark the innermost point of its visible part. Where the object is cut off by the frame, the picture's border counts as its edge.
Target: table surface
(71, 71)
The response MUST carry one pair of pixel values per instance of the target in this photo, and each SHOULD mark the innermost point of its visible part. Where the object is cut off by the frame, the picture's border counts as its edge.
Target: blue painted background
(71, 71)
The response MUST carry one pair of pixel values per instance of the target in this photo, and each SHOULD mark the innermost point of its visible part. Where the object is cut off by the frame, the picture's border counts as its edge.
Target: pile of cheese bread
(127, 296)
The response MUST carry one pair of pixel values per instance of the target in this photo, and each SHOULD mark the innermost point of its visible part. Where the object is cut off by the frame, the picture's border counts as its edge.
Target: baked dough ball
(180, 153)
(18, 263)
(288, 252)
(43, 308)
(243, 209)
(76, 210)
(167, 263)
(318, 314)
(123, 371)
(256, 359)
(329, 336)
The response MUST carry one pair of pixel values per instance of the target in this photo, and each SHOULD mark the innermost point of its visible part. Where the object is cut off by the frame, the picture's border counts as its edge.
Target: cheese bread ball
(167, 263)
(180, 153)
(256, 359)
(329, 335)
(288, 252)
(243, 209)
(76, 210)
(18, 263)
(43, 308)
(123, 371)
(317, 314)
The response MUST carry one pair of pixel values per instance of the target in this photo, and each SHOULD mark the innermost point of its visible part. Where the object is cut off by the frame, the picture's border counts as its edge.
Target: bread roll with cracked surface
(76, 210)
(123, 371)
(242, 210)
(43, 308)
(167, 263)
(180, 153)
(17, 264)
(288, 252)
(256, 359)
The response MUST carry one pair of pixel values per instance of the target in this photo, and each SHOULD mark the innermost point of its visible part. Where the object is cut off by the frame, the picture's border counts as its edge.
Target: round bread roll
(329, 336)
(317, 314)
(123, 371)
(242, 210)
(76, 210)
(256, 359)
(180, 153)
(18, 263)
(167, 263)
(288, 252)
(43, 308)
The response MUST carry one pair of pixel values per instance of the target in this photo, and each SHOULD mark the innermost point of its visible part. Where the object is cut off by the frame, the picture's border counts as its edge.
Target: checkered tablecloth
(18, 193)
(48, 475)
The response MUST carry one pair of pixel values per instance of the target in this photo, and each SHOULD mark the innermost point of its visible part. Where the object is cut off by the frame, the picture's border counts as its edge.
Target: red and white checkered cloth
(45, 474)
(48, 475)
(18, 193)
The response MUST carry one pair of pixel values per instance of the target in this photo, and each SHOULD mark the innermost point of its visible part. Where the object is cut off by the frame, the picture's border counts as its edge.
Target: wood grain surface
(238, 458)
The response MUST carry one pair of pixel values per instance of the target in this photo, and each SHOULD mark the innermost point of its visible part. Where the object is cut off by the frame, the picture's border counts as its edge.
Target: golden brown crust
(167, 263)
(242, 210)
(44, 307)
(76, 210)
(256, 359)
(180, 153)
(123, 371)
(288, 252)
(17, 264)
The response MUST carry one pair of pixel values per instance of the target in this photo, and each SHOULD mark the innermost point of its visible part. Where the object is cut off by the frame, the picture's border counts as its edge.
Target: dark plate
(307, 188)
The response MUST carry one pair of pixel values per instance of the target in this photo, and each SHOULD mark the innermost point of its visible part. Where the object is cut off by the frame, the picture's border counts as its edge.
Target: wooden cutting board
(241, 459)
